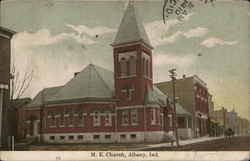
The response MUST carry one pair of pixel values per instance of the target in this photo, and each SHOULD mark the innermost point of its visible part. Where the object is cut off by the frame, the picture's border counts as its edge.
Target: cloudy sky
(58, 38)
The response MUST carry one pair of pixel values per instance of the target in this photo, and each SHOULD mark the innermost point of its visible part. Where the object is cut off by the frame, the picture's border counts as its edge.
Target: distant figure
(96, 36)
(229, 132)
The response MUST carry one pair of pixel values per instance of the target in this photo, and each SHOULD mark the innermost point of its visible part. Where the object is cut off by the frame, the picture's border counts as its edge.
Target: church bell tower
(132, 60)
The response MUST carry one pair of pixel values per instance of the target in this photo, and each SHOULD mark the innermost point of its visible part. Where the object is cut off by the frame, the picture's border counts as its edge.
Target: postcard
(124, 80)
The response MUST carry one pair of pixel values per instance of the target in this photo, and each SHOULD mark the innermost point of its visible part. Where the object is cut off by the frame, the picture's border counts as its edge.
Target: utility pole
(172, 76)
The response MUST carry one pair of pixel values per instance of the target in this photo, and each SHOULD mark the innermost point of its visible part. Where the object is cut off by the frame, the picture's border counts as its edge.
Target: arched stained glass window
(123, 67)
(132, 65)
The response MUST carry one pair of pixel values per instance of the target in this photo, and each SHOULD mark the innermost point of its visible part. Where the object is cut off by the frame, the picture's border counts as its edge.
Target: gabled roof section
(93, 82)
(180, 110)
(18, 103)
(150, 97)
(47, 92)
(131, 28)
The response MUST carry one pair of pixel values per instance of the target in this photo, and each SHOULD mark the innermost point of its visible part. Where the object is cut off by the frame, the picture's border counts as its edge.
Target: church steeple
(131, 29)
(132, 60)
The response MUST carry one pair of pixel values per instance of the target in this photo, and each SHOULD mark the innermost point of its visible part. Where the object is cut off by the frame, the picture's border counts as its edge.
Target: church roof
(47, 92)
(93, 82)
(150, 97)
(131, 28)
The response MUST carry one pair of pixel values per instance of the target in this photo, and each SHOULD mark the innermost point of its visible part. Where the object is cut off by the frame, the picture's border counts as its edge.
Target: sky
(58, 38)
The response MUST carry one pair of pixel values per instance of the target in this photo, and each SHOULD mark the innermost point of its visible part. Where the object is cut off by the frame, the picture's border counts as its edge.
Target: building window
(132, 65)
(96, 118)
(53, 120)
(125, 117)
(71, 137)
(96, 136)
(80, 137)
(123, 67)
(144, 66)
(153, 116)
(62, 120)
(107, 136)
(52, 137)
(62, 137)
(128, 88)
(80, 119)
(108, 118)
(133, 116)
(132, 136)
(71, 119)
(170, 120)
(148, 66)
(123, 136)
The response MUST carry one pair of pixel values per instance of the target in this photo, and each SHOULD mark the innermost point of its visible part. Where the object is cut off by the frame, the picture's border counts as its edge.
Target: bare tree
(19, 84)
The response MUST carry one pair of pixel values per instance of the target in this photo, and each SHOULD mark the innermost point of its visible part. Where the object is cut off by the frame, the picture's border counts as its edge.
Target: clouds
(157, 29)
(162, 58)
(43, 37)
(212, 42)
(197, 32)
(82, 29)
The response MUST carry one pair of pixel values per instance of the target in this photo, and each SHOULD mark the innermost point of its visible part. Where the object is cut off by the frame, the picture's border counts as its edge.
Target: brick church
(98, 105)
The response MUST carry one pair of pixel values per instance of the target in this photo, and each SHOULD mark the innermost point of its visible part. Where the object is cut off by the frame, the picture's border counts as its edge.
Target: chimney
(76, 73)
(183, 76)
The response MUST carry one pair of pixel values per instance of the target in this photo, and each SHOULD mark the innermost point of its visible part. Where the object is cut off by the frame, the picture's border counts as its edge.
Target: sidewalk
(181, 142)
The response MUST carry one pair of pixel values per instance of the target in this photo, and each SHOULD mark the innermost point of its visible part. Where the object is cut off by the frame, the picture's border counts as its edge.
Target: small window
(107, 136)
(53, 120)
(80, 137)
(133, 136)
(62, 137)
(123, 136)
(96, 136)
(96, 118)
(153, 116)
(71, 119)
(128, 88)
(52, 137)
(134, 116)
(61, 119)
(80, 119)
(71, 137)
(108, 118)
(132, 65)
(125, 117)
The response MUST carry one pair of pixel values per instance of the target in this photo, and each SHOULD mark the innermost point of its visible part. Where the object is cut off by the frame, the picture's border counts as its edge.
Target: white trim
(127, 55)
(152, 136)
(129, 107)
(4, 86)
(79, 103)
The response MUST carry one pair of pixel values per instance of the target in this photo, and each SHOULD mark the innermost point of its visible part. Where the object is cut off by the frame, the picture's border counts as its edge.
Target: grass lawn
(240, 143)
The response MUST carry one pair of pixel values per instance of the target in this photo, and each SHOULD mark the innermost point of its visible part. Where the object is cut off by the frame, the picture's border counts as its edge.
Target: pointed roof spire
(131, 28)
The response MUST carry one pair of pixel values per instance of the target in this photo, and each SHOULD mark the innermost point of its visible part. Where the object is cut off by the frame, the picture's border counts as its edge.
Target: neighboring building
(98, 105)
(19, 123)
(214, 125)
(232, 120)
(242, 126)
(222, 119)
(5, 76)
(192, 94)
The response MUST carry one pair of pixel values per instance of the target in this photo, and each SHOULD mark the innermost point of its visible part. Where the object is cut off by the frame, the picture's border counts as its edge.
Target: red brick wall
(88, 119)
(139, 82)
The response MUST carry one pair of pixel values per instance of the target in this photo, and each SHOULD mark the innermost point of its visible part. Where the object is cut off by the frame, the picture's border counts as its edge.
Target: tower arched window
(123, 67)
(146, 66)
(132, 65)
(128, 88)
